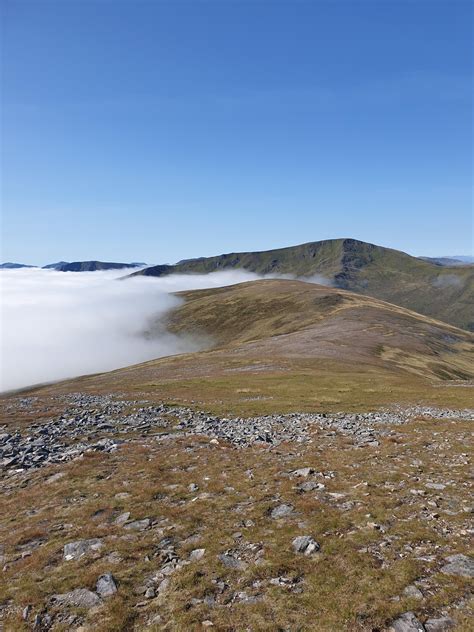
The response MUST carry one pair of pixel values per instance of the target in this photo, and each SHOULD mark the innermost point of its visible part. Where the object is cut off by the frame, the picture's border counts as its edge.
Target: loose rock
(75, 550)
(106, 585)
(407, 622)
(305, 544)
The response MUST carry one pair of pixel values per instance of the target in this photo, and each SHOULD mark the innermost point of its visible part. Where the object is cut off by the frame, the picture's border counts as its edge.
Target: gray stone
(232, 562)
(150, 593)
(305, 544)
(106, 585)
(412, 592)
(122, 519)
(26, 612)
(309, 486)
(164, 585)
(439, 625)
(75, 550)
(407, 622)
(281, 511)
(138, 525)
(303, 472)
(460, 565)
(197, 554)
(80, 598)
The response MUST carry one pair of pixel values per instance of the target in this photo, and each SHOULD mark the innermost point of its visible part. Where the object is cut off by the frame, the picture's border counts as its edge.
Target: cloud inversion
(57, 325)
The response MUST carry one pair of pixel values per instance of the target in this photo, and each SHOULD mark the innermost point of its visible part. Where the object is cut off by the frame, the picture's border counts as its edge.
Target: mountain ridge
(443, 292)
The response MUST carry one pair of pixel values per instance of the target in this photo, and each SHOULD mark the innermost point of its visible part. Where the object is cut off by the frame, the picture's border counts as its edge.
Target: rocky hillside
(124, 514)
(443, 292)
(314, 455)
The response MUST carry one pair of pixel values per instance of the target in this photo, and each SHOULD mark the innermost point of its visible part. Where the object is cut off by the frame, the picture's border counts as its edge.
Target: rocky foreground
(130, 515)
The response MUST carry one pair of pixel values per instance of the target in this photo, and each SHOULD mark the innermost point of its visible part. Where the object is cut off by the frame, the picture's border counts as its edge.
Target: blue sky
(154, 131)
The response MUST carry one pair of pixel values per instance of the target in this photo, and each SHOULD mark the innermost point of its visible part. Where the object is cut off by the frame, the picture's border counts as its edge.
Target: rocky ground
(131, 515)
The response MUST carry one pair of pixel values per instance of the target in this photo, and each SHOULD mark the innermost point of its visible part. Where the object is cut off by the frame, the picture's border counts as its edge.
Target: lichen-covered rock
(305, 544)
(460, 565)
(106, 586)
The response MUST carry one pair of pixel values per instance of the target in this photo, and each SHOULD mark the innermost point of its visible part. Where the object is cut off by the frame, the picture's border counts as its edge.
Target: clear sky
(154, 131)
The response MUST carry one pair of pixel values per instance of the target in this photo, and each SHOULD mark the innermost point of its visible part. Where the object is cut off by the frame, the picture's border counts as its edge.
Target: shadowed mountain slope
(443, 292)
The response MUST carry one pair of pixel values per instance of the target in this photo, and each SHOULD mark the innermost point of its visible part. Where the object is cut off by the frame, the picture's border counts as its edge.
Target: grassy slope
(274, 341)
(288, 345)
(446, 293)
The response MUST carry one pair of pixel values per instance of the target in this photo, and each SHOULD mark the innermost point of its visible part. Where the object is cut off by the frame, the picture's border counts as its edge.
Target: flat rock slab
(302, 472)
(80, 598)
(460, 565)
(75, 550)
(138, 525)
(439, 625)
(281, 511)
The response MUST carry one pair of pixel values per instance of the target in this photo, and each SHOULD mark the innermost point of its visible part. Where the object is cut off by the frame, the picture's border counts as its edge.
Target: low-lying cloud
(447, 280)
(56, 325)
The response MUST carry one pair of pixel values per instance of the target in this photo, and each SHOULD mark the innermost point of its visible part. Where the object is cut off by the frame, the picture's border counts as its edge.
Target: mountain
(55, 266)
(443, 292)
(13, 266)
(91, 266)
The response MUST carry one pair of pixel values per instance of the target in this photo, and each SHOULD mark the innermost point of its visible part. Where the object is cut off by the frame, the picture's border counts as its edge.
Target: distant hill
(443, 292)
(13, 266)
(463, 258)
(449, 261)
(91, 266)
(55, 266)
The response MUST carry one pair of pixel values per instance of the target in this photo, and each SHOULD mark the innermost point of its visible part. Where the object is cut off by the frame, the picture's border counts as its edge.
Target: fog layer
(56, 325)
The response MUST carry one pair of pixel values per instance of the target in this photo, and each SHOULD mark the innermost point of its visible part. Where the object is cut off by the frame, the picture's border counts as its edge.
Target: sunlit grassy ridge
(279, 345)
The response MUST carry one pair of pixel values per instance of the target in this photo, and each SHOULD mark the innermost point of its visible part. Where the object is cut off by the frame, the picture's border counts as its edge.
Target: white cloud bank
(55, 325)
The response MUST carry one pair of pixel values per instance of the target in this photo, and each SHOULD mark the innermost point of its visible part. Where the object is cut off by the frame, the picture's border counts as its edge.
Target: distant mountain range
(76, 266)
(445, 292)
(440, 287)
(91, 266)
(449, 261)
(14, 266)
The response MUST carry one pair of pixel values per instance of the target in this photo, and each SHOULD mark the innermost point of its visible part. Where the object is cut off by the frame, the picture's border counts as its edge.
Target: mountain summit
(445, 293)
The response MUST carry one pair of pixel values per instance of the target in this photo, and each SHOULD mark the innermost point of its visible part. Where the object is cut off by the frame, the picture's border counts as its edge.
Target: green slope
(445, 293)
